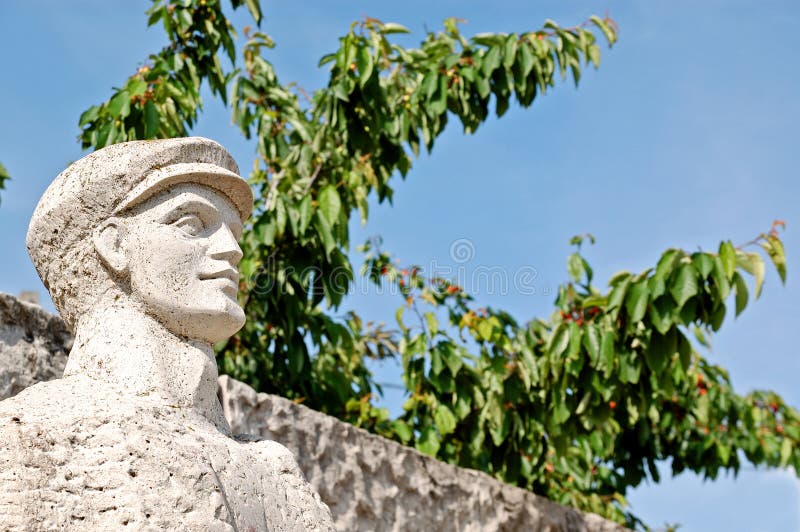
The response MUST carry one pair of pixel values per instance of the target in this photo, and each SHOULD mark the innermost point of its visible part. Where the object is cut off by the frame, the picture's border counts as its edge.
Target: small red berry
(612, 404)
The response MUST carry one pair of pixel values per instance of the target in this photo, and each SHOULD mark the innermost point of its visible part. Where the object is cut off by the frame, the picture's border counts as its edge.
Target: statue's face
(182, 255)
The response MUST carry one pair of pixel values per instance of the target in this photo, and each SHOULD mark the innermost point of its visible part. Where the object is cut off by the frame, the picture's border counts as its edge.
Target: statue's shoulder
(62, 400)
(315, 514)
(271, 451)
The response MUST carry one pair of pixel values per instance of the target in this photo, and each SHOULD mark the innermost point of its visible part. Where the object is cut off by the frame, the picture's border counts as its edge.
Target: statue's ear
(108, 241)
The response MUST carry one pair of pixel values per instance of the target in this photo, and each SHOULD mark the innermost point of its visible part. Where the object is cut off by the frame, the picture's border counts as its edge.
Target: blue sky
(685, 136)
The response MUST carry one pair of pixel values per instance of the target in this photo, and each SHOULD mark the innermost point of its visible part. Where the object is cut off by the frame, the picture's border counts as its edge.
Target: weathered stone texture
(80, 454)
(368, 482)
(371, 483)
(33, 345)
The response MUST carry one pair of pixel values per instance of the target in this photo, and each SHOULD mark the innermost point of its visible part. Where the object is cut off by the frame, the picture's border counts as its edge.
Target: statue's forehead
(187, 195)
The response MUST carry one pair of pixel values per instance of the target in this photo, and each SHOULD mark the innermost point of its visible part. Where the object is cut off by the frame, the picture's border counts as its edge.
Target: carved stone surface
(137, 244)
(371, 483)
(33, 345)
(79, 454)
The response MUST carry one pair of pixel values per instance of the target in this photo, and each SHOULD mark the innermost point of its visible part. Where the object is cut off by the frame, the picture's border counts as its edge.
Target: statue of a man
(137, 244)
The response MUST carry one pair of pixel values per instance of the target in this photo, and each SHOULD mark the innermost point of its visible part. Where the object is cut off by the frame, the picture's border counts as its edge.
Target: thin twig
(313, 178)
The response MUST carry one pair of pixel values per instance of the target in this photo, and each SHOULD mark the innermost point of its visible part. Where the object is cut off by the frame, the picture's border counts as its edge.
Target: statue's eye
(190, 224)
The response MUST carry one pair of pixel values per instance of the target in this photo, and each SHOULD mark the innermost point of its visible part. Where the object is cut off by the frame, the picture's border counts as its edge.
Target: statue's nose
(224, 246)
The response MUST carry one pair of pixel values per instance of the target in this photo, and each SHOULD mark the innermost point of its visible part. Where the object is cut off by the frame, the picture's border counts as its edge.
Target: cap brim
(207, 174)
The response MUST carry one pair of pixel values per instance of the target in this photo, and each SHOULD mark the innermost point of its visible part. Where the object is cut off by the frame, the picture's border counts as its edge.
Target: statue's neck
(125, 347)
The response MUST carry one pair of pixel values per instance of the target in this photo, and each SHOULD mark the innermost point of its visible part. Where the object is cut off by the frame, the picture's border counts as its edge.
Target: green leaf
(607, 353)
(154, 15)
(559, 341)
(717, 316)
(89, 115)
(297, 361)
(428, 442)
(364, 64)
(721, 283)
(151, 120)
(724, 453)
(304, 210)
(399, 317)
(560, 412)
(391, 27)
(594, 55)
(685, 285)
(591, 342)
(741, 292)
(607, 30)
(526, 59)
(684, 351)
(120, 105)
(510, 51)
(254, 6)
(330, 205)
(701, 337)
(402, 430)
(757, 263)
(491, 61)
(437, 364)
(667, 263)
(660, 350)
(324, 231)
(703, 262)
(280, 216)
(629, 368)
(433, 323)
(451, 358)
(485, 329)
(774, 249)
(636, 302)
(727, 255)
(587, 397)
(444, 419)
(661, 313)
(137, 87)
(575, 267)
(786, 452)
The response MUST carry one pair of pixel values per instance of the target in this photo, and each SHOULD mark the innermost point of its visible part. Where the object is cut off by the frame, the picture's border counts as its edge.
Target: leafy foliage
(577, 407)
(581, 406)
(3, 176)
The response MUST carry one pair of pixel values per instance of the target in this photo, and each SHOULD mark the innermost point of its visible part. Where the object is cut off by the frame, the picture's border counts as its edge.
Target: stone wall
(370, 483)
(33, 345)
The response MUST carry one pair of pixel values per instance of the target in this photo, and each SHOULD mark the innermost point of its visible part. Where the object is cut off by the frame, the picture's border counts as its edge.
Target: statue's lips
(230, 275)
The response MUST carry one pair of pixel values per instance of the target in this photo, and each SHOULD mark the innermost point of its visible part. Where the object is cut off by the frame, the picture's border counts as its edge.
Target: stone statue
(137, 244)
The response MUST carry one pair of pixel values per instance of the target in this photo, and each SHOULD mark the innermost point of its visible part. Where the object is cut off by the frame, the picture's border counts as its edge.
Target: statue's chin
(206, 325)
